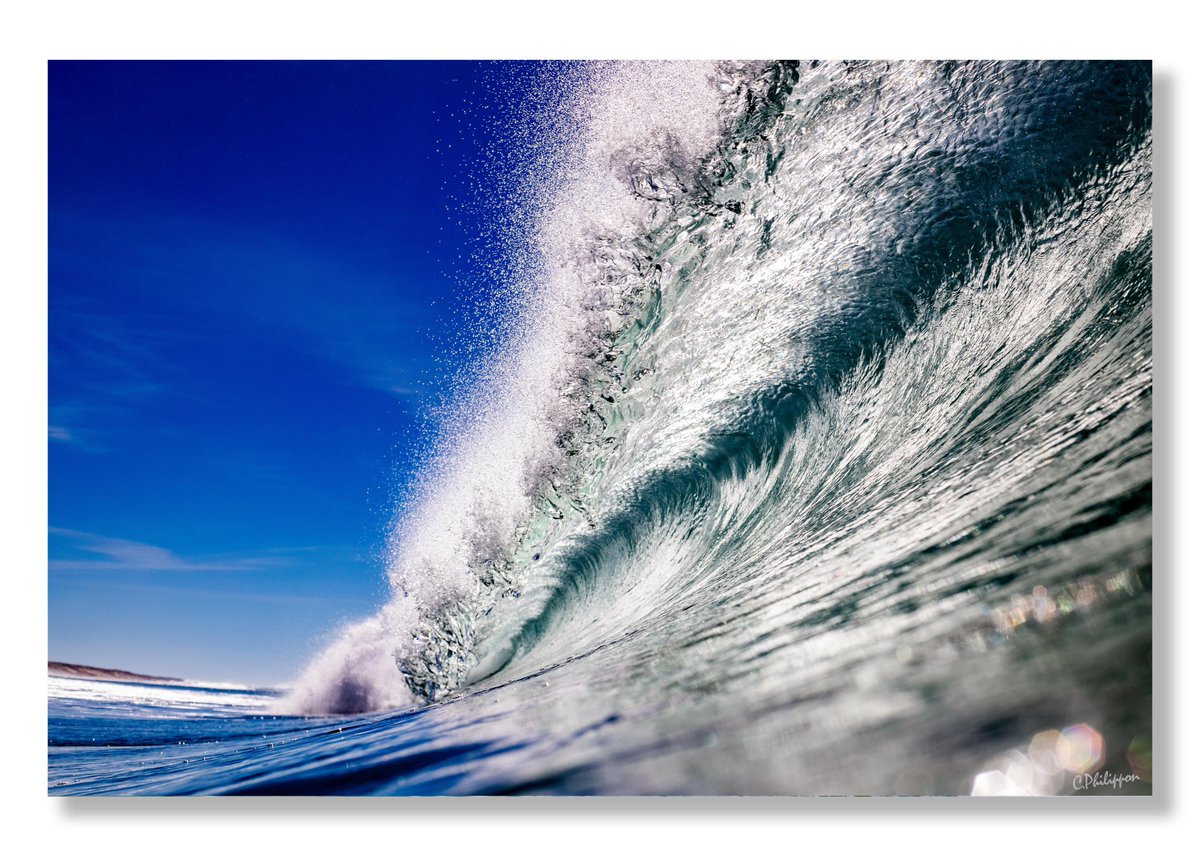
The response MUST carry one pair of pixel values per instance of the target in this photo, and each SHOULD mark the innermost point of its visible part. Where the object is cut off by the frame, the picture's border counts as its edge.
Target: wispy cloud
(63, 434)
(104, 368)
(284, 599)
(367, 321)
(123, 555)
(68, 427)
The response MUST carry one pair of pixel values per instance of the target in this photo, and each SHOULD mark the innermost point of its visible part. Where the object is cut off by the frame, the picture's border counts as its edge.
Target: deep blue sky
(256, 271)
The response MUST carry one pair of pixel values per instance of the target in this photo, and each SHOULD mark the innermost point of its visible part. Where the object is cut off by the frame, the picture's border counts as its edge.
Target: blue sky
(257, 282)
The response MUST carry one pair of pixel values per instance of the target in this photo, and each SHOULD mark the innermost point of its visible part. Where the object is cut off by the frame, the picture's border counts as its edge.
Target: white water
(778, 286)
(633, 131)
(161, 701)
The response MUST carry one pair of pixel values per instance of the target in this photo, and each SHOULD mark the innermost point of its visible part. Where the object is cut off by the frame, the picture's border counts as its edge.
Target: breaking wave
(801, 358)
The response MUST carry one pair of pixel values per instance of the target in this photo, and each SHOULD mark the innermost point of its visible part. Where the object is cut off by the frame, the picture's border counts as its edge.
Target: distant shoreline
(57, 668)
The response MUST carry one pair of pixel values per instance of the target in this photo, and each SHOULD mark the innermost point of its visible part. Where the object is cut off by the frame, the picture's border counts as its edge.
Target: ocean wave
(802, 346)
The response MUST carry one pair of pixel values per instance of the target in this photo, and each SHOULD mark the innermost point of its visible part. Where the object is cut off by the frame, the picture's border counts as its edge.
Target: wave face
(824, 406)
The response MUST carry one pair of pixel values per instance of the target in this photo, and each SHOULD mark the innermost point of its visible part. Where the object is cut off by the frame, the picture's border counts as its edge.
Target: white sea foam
(633, 136)
(192, 699)
(357, 672)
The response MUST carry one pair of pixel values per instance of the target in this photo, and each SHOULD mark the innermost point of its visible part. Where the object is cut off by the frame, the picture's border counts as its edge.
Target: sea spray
(785, 334)
(635, 143)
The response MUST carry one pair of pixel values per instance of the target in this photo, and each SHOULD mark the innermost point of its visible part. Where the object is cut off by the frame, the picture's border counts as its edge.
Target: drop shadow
(1165, 416)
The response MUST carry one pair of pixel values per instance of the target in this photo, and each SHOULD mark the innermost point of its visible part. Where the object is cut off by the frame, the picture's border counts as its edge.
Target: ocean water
(814, 457)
